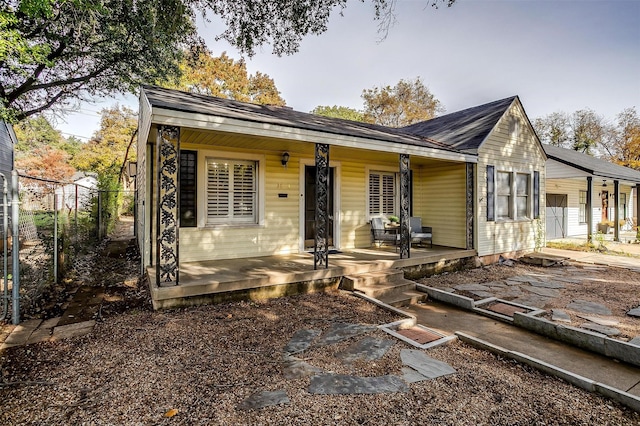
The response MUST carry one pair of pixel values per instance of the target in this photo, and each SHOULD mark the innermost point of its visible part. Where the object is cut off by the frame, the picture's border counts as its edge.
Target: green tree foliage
(54, 53)
(582, 131)
(342, 112)
(105, 152)
(225, 78)
(408, 102)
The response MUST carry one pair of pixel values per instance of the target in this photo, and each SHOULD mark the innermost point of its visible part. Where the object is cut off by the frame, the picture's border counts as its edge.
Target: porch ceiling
(197, 137)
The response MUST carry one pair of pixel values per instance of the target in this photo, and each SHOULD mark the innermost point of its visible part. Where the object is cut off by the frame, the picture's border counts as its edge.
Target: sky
(557, 55)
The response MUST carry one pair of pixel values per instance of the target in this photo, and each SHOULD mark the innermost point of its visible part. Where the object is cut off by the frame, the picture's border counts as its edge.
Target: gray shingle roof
(200, 104)
(592, 165)
(466, 129)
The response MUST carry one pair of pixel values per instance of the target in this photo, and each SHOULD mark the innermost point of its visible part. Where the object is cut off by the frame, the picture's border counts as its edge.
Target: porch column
(167, 205)
(469, 205)
(637, 209)
(589, 209)
(405, 203)
(616, 210)
(321, 245)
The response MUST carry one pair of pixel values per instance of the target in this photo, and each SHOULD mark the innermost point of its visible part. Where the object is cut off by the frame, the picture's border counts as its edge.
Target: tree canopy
(226, 78)
(105, 152)
(623, 144)
(582, 130)
(55, 53)
(342, 112)
(408, 102)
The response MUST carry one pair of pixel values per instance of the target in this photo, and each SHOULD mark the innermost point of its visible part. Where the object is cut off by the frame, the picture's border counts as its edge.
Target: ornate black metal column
(616, 210)
(321, 246)
(589, 213)
(470, 196)
(167, 207)
(405, 203)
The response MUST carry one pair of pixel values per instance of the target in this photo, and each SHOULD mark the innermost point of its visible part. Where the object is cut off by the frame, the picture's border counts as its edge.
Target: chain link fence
(58, 223)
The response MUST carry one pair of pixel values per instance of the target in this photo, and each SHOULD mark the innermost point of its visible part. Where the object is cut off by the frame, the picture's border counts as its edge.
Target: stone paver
(72, 330)
(588, 307)
(264, 399)
(341, 384)
(295, 368)
(39, 335)
(546, 284)
(635, 341)
(609, 331)
(635, 312)
(301, 341)
(532, 300)
(20, 335)
(368, 349)
(343, 331)
(600, 321)
(481, 293)
(429, 367)
(471, 287)
(560, 316)
(541, 291)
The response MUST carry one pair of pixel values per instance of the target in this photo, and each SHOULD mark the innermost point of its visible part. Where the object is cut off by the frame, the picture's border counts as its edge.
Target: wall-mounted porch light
(132, 168)
(285, 159)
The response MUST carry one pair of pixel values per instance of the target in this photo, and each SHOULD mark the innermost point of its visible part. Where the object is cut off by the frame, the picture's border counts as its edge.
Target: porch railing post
(589, 208)
(616, 210)
(321, 244)
(470, 197)
(405, 203)
(167, 207)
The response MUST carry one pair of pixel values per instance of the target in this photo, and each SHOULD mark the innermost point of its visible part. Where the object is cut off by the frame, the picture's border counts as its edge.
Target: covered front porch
(280, 275)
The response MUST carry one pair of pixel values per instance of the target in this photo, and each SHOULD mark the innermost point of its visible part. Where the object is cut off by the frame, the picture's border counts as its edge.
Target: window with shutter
(491, 195)
(382, 194)
(536, 195)
(522, 195)
(231, 191)
(503, 198)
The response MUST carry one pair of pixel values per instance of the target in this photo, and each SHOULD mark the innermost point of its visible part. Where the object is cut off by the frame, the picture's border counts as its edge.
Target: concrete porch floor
(274, 276)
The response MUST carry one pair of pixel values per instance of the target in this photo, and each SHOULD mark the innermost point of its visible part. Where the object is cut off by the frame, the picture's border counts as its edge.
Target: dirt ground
(617, 288)
(201, 363)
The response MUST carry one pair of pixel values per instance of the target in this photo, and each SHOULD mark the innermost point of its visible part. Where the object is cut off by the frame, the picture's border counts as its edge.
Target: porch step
(388, 286)
(404, 298)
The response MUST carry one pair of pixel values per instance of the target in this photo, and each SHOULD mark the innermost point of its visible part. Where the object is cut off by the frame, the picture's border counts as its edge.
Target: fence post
(55, 238)
(99, 215)
(15, 212)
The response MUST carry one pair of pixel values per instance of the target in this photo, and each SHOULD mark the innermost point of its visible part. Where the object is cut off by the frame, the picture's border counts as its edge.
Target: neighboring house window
(522, 195)
(231, 191)
(503, 198)
(381, 193)
(582, 202)
(188, 183)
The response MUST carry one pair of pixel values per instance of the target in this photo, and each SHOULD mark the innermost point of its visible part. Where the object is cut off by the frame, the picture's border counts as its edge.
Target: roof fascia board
(145, 112)
(231, 125)
(594, 173)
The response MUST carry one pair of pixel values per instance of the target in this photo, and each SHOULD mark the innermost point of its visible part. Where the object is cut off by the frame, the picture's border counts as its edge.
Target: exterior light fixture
(132, 168)
(285, 159)
(604, 183)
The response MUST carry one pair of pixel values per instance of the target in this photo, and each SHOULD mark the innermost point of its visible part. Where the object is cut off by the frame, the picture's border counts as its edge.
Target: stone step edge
(618, 395)
(409, 321)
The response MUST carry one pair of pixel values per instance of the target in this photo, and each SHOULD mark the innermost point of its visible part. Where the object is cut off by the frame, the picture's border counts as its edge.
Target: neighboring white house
(582, 191)
(79, 193)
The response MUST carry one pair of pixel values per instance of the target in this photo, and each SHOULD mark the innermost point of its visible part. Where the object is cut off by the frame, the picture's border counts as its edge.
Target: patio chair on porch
(382, 235)
(420, 234)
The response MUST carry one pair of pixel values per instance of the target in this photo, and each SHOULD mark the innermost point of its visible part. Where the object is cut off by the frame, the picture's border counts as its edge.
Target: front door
(310, 206)
(605, 205)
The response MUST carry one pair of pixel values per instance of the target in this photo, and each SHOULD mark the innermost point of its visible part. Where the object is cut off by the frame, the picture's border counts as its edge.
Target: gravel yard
(139, 365)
